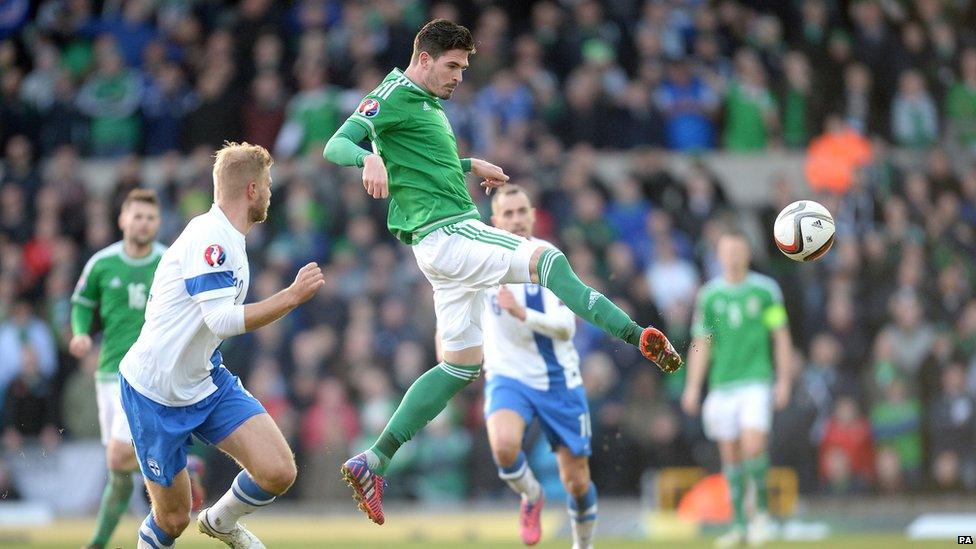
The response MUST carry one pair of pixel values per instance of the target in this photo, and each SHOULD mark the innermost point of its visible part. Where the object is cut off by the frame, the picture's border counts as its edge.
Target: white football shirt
(538, 351)
(171, 361)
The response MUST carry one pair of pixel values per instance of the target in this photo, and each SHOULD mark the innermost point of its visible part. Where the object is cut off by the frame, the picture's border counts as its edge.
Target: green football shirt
(411, 133)
(118, 286)
(738, 319)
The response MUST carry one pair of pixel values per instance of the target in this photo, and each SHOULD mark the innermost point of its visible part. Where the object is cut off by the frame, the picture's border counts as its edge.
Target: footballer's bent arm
(783, 354)
(308, 281)
(343, 147)
(559, 324)
(698, 357)
(81, 318)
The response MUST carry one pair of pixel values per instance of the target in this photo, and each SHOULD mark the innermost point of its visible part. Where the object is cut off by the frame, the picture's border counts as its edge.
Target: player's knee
(279, 477)
(173, 522)
(506, 451)
(120, 458)
(534, 263)
(576, 480)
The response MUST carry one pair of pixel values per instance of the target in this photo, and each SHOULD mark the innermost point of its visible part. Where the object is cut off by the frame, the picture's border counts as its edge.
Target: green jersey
(117, 285)
(411, 133)
(738, 320)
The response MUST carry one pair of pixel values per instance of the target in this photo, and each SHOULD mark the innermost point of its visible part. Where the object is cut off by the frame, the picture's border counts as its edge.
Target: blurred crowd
(884, 326)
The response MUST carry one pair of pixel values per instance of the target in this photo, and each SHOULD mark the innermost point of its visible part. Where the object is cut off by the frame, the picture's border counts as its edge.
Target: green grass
(842, 542)
(474, 532)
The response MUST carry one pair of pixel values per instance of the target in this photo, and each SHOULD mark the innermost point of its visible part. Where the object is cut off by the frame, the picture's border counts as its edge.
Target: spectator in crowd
(751, 120)
(312, 115)
(847, 450)
(914, 117)
(952, 424)
(25, 338)
(165, 103)
(896, 427)
(833, 157)
(442, 450)
(799, 105)
(960, 103)
(689, 106)
(110, 99)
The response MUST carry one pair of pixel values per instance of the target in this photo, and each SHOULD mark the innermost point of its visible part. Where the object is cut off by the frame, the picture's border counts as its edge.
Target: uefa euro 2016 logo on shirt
(214, 255)
(369, 108)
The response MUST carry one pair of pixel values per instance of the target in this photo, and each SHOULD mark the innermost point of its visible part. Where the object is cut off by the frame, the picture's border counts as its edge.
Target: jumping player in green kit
(415, 162)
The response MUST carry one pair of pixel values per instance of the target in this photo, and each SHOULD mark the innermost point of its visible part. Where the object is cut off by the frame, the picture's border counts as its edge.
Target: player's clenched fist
(308, 281)
(80, 345)
(374, 177)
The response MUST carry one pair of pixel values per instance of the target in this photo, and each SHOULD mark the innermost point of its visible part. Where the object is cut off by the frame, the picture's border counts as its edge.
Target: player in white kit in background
(173, 381)
(532, 371)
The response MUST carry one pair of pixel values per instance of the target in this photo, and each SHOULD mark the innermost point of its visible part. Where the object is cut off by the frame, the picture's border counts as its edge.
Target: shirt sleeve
(557, 322)
(88, 291)
(774, 314)
(701, 324)
(377, 113)
(207, 271)
(85, 298)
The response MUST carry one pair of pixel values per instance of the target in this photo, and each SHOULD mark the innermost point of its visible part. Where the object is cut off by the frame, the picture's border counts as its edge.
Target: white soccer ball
(804, 230)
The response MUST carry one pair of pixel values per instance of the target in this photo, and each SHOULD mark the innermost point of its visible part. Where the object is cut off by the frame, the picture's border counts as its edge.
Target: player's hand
(506, 300)
(80, 345)
(308, 281)
(374, 177)
(690, 402)
(493, 176)
(781, 395)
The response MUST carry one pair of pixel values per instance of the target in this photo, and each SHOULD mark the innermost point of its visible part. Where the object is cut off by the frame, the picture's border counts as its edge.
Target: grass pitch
(353, 532)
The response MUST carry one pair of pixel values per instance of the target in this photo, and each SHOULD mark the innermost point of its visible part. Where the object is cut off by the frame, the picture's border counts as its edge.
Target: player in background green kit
(116, 282)
(415, 162)
(737, 315)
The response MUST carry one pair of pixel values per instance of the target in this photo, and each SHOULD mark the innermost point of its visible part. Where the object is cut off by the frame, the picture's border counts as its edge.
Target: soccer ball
(804, 230)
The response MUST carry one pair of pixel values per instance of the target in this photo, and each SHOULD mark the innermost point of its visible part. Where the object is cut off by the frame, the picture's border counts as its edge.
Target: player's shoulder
(764, 283)
(106, 254)
(714, 286)
(541, 242)
(396, 88)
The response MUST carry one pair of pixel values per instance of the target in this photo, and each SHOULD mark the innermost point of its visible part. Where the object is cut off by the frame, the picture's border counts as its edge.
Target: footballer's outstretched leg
(550, 268)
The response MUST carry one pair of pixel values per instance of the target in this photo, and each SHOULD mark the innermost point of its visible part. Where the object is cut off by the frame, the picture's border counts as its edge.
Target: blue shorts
(162, 434)
(563, 413)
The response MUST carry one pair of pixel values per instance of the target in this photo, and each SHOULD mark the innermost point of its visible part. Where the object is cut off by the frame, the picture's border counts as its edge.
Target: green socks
(426, 398)
(737, 491)
(115, 500)
(556, 274)
(756, 470)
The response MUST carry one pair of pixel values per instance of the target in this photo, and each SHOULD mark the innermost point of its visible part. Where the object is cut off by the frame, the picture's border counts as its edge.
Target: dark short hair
(441, 35)
(508, 189)
(147, 196)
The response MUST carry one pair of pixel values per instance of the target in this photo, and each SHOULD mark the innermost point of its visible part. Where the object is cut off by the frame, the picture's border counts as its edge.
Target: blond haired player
(174, 383)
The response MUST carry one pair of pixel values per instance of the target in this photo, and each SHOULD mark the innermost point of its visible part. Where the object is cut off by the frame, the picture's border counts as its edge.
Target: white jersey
(171, 361)
(538, 351)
